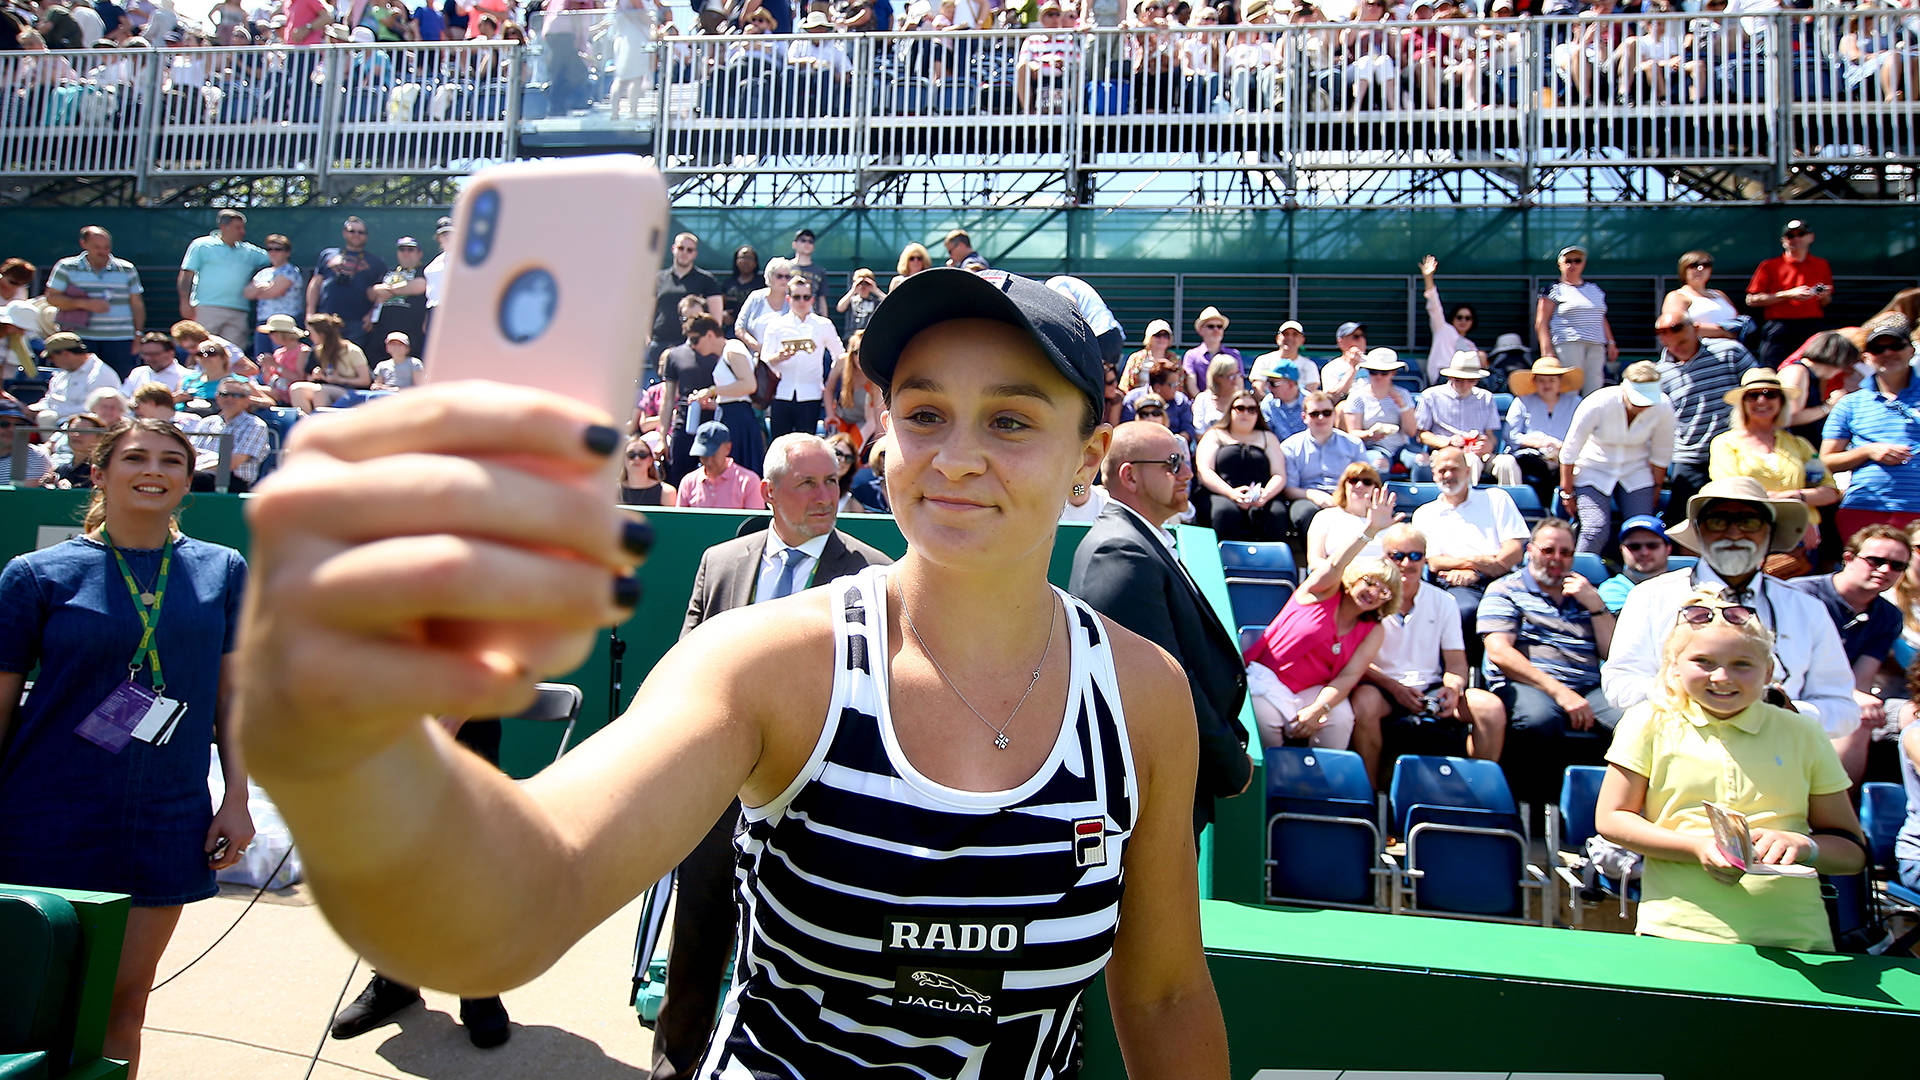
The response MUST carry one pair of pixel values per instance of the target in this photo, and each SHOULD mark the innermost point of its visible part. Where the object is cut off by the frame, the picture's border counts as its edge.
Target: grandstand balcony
(1534, 111)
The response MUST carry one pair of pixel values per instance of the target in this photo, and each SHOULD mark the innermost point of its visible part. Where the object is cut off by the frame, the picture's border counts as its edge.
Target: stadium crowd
(760, 57)
(1454, 621)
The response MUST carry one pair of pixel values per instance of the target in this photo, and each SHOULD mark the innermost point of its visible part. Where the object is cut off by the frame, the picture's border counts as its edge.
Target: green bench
(62, 948)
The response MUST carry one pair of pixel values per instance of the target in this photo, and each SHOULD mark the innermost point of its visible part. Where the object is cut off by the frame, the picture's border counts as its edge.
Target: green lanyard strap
(147, 605)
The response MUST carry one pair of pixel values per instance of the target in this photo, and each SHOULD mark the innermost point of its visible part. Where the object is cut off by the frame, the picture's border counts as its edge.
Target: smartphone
(550, 279)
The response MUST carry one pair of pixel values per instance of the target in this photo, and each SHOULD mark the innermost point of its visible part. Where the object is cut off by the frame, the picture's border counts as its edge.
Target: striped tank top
(893, 927)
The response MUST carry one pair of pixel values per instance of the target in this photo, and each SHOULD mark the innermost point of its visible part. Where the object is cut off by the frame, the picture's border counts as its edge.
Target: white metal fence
(1084, 117)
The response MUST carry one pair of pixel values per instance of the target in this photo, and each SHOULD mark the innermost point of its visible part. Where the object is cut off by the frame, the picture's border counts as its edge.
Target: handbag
(74, 318)
(766, 384)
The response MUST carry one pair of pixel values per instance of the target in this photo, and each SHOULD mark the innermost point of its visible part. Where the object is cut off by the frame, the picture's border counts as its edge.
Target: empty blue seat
(1682, 562)
(1249, 635)
(1502, 402)
(1526, 500)
(1588, 565)
(1257, 602)
(1323, 845)
(1465, 845)
(1571, 824)
(1409, 495)
(1240, 559)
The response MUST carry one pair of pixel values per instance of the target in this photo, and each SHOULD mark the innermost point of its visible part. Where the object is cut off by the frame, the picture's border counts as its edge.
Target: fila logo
(1090, 842)
(955, 937)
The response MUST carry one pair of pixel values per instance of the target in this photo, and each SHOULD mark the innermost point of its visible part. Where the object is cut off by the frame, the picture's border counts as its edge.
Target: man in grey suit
(1127, 569)
(799, 550)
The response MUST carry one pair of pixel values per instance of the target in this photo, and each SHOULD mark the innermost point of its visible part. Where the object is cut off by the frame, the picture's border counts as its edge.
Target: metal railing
(1536, 109)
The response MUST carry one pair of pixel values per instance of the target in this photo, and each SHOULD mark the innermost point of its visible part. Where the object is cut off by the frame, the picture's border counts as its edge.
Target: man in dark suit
(800, 549)
(1126, 568)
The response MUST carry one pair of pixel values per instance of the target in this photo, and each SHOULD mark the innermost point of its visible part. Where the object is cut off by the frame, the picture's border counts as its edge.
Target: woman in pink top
(1301, 670)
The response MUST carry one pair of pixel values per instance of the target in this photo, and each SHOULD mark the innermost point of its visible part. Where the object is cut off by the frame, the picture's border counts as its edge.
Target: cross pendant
(1001, 740)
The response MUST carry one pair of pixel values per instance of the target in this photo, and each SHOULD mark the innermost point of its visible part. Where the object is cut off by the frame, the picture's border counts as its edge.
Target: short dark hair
(700, 326)
(155, 337)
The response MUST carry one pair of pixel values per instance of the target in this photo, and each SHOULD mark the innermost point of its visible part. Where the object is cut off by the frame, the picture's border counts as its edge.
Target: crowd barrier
(1762, 95)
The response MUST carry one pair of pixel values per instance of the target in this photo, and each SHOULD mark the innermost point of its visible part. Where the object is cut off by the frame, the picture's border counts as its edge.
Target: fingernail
(626, 592)
(637, 537)
(602, 439)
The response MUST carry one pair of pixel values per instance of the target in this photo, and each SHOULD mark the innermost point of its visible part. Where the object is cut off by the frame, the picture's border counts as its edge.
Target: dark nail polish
(602, 439)
(626, 593)
(637, 537)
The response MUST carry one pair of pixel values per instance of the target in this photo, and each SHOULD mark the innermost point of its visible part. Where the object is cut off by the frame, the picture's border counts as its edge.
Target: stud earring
(1079, 490)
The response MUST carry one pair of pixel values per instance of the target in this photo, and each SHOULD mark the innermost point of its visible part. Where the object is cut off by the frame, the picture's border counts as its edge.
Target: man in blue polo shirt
(213, 276)
(1547, 631)
(1873, 431)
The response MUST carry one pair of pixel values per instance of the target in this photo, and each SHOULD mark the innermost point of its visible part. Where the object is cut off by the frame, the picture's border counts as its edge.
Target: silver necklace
(1000, 739)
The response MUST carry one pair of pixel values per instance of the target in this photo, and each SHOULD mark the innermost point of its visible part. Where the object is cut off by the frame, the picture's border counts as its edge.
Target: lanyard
(147, 605)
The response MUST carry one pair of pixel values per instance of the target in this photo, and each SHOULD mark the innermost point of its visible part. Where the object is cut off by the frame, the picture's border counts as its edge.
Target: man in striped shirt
(107, 291)
(1695, 375)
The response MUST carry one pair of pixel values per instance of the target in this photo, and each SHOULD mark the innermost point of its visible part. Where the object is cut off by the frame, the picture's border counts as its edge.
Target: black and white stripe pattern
(841, 876)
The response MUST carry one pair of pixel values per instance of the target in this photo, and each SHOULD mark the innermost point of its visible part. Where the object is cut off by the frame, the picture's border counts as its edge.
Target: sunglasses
(916, 258)
(639, 455)
(1212, 326)
(799, 296)
(234, 394)
(1406, 556)
(1319, 414)
(1700, 266)
(1881, 562)
(1573, 259)
(1173, 462)
(1732, 614)
(1886, 345)
(1743, 523)
(1764, 395)
(1643, 545)
(1245, 408)
(1362, 481)
(278, 247)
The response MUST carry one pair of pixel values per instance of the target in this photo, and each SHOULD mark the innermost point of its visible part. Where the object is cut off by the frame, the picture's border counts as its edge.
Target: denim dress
(73, 815)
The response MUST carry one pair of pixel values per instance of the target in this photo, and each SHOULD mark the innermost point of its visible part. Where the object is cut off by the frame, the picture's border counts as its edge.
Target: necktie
(790, 559)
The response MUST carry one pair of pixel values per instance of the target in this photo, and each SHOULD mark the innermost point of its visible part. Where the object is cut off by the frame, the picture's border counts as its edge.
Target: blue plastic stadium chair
(1249, 635)
(1257, 602)
(1323, 845)
(1241, 560)
(1570, 824)
(1588, 565)
(1526, 500)
(1682, 562)
(1409, 496)
(1883, 808)
(1466, 848)
(1503, 402)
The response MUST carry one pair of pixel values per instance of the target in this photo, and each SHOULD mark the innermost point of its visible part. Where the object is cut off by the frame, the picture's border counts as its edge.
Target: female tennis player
(965, 793)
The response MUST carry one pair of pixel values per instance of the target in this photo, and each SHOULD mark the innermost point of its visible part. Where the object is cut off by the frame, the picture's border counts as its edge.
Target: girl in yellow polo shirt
(1709, 736)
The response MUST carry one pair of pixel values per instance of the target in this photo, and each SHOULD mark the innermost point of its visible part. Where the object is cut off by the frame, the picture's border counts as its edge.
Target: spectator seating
(1466, 848)
(1248, 635)
(1883, 807)
(1255, 602)
(1409, 495)
(1526, 500)
(1588, 565)
(1323, 843)
(1682, 562)
(56, 985)
(1271, 561)
(1570, 824)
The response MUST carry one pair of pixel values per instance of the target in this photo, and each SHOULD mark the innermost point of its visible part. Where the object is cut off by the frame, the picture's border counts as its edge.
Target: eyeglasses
(916, 258)
(234, 394)
(1562, 553)
(1763, 395)
(354, 232)
(1732, 614)
(1733, 523)
(779, 277)
(278, 247)
(1886, 345)
(1245, 408)
(1881, 562)
(1699, 266)
(1174, 462)
(1319, 414)
(1213, 326)
(1643, 545)
(1406, 556)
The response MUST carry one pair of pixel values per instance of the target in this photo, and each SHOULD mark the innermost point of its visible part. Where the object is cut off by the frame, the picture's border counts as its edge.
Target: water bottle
(820, 429)
(693, 417)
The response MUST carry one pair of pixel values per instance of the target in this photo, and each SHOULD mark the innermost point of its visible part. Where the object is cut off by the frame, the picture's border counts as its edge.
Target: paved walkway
(257, 1006)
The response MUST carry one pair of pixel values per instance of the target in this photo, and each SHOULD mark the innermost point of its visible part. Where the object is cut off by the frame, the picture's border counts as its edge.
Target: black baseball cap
(944, 293)
(1795, 228)
(804, 234)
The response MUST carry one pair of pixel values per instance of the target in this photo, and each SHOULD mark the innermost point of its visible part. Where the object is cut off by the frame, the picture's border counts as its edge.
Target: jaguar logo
(935, 980)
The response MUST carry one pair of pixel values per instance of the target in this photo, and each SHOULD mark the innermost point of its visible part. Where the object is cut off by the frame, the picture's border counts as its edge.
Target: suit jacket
(1129, 576)
(729, 569)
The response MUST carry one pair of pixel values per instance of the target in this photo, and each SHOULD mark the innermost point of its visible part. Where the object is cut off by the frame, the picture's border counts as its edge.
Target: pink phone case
(574, 244)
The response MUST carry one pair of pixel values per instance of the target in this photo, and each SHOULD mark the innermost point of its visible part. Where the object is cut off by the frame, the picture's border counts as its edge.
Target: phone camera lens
(480, 227)
(528, 306)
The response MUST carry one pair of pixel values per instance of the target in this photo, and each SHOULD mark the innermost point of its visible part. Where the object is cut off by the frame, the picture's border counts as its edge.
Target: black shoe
(486, 1021)
(377, 1004)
